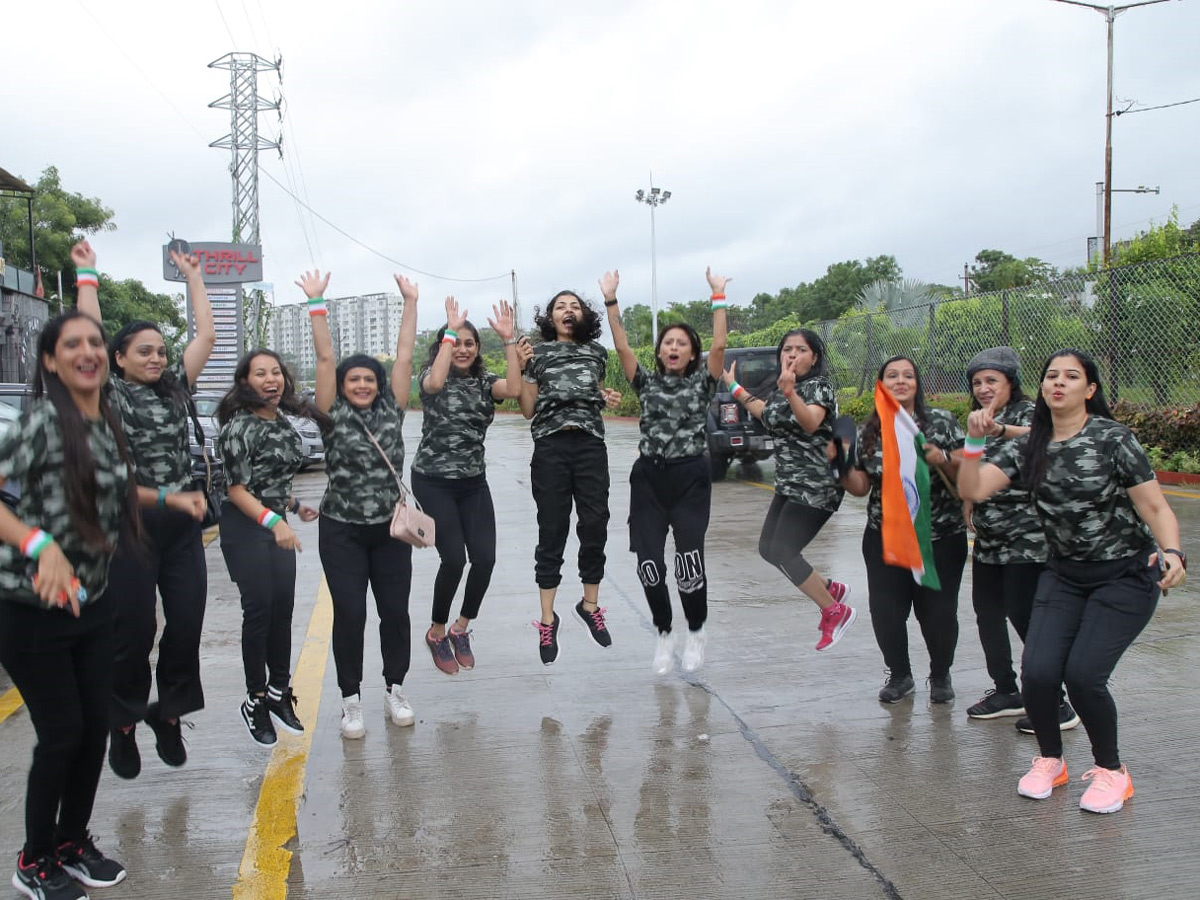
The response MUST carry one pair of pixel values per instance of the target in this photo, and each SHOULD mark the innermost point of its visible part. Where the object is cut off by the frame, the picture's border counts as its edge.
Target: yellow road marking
(10, 702)
(210, 535)
(266, 862)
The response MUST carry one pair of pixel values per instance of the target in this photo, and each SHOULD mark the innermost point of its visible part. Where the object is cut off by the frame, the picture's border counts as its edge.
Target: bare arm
(978, 482)
(252, 508)
(54, 570)
(1152, 506)
(314, 287)
(402, 370)
(753, 405)
(716, 351)
(503, 322)
(87, 295)
(200, 347)
(608, 287)
(435, 380)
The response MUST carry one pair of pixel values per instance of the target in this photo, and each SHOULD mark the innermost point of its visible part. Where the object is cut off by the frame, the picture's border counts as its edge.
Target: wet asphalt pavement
(771, 772)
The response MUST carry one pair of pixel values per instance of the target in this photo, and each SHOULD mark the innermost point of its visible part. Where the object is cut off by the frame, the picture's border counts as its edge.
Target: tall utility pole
(1110, 14)
(654, 198)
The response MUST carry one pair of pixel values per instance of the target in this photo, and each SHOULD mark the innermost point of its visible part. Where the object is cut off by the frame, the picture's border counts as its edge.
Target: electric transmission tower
(243, 141)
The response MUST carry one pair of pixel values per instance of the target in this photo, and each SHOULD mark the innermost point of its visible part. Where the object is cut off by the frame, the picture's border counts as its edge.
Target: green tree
(60, 219)
(838, 289)
(122, 302)
(995, 270)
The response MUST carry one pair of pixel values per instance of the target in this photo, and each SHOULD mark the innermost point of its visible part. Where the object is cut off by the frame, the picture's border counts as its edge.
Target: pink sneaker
(1108, 790)
(834, 622)
(838, 590)
(1040, 781)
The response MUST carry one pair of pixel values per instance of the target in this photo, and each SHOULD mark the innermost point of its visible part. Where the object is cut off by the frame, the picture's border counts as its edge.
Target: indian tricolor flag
(907, 538)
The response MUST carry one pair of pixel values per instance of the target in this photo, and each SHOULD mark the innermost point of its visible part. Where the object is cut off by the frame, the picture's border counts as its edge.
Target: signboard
(227, 320)
(220, 262)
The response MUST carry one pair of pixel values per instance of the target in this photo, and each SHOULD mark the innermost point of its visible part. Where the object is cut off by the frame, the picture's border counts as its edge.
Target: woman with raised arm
(670, 485)
(78, 499)
(563, 393)
(1113, 547)
(366, 412)
(261, 452)
(800, 414)
(152, 397)
(458, 403)
(894, 594)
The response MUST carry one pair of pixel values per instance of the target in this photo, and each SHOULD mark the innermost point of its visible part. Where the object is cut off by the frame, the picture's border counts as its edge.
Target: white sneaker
(398, 708)
(352, 719)
(693, 650)
(664, 653)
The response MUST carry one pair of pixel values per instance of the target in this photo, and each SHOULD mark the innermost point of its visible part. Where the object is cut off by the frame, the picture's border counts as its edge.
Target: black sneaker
(83, 862)
(940, 689)
(996, 704)
(44, 879)
(596, 626)
(123, 755)
(896, 688)
(258, 720)
(548, 640)
(1067, 719)
(282, 706)
(169, 743)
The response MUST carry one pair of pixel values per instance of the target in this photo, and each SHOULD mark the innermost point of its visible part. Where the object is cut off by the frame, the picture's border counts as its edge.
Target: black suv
(732, 432)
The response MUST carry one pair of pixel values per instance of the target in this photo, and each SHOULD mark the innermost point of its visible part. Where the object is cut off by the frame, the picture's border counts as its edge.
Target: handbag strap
(198, 430)
(400, 484)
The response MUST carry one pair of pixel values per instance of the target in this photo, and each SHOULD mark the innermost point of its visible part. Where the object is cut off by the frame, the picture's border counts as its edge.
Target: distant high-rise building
(366, 324)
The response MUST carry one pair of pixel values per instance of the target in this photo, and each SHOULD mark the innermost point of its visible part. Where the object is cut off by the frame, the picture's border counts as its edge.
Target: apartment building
(367, 324)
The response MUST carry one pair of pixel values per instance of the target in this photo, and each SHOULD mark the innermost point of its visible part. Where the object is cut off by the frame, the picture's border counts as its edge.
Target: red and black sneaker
(87, 865)
(44, 879)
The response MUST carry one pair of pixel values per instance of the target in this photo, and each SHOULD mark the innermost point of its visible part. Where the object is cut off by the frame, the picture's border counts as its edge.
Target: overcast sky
(468, 139)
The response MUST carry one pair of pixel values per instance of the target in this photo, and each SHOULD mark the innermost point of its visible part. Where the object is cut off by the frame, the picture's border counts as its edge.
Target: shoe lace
(1104, 778)
(597, 617)
(545, 633)
(1047, 765)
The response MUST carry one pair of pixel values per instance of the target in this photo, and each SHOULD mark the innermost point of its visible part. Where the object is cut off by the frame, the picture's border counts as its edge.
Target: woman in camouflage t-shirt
(366, 414)
(1103, 513)
(458, 403)
(78, 499)
(670, 486)
(893, 592)
(261, 452)
(800, 414)
(152, 397)
(563, 392)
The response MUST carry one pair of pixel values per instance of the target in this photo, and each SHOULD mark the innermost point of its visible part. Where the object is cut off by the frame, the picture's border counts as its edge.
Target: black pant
(1002, 593)
(352, 556)
(787, 530)
(171, 562)
(675, 494)
(266, 577)
(570, 466)
(894, 594)
(466, 528)
(63, 668)
(1085, 615)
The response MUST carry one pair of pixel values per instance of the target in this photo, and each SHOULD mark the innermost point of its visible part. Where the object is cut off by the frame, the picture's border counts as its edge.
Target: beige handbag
(410, 523)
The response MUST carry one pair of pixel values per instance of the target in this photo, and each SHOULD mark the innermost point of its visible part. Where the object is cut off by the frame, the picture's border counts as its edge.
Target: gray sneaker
(896, 688)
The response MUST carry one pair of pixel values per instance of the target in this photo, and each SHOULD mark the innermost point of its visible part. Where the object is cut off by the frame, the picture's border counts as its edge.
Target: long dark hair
(476, 368)
(693, 339)
(167, 386)
(243, 397)
(870, 431)
(587, 326)
(79, 465)
(1041, 427)
(815, 344)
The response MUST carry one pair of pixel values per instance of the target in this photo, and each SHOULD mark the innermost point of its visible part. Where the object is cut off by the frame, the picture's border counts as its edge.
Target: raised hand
(313, 284)
(729, 376)
(454, 318)
(716, 282)
(408, 289)
(83, 256)
(787, 381)
(502, 320)
(608, 284)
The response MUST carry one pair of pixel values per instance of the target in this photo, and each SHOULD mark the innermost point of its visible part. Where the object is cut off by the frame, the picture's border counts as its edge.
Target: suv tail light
(729, 413)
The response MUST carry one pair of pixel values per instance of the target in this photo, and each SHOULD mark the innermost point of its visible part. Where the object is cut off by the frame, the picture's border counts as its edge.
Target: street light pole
(653, 198)
(1110, 14)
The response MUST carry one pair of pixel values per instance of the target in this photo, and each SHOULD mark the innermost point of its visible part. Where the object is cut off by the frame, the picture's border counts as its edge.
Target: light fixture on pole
(1100, 195)
(653, 198)
(1110, 14)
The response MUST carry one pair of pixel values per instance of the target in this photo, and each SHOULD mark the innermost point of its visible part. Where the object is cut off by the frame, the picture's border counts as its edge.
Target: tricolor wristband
(88, 277)
(737, 390)
(718, 302)
(35, 542)
(973, 447)
(450, 336)
(317, 307)
(267, 519)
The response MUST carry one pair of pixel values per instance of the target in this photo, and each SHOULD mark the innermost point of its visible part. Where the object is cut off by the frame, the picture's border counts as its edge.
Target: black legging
(171, 562)
(466, 529)
(1085, 616)
(894, 594)
(1002, 593)
(787, 530)
(570, 466)
(671, 494)
(63, 668)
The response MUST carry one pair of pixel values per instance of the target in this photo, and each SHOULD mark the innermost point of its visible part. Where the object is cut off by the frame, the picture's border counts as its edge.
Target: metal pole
(653, 281)
(1110, 16)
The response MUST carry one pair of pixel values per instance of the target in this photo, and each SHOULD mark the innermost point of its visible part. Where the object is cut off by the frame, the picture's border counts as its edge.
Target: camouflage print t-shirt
(1007, 529)
(262, 455)
(945, 512)
(801, 467)
(156, 429)
(454, 423)
(674, 408)
(569, 377)
(31, 452)
(1085, 508)
(361, 488)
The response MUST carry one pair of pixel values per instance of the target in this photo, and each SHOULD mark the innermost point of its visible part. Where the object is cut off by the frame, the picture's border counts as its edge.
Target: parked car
(310, 436)
(13, 398)
(732, 432)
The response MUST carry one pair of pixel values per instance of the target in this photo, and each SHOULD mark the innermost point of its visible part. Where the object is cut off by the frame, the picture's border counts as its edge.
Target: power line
(246, 12)
(228, 30)
(1125, 112)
